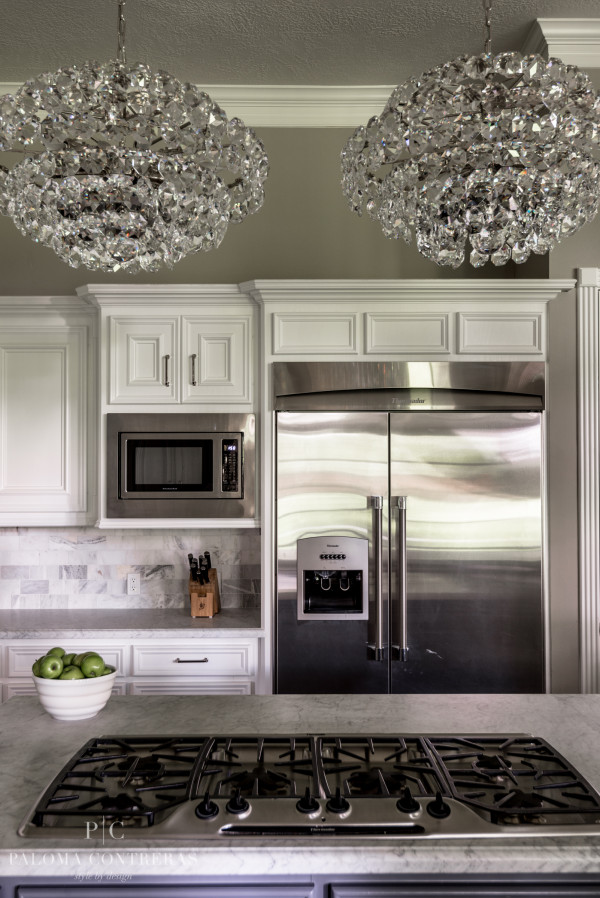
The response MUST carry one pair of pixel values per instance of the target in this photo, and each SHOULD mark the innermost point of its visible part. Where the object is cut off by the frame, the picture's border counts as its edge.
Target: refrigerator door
(471, 550)
(332, 482)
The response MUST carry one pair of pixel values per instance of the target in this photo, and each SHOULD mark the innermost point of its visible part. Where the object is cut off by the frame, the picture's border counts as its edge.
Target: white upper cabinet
(46, 412)
(144, 359)
(216, 358)
(173, 344)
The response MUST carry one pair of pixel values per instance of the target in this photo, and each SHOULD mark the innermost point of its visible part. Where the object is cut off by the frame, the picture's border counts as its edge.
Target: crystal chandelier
(125, 169)
(497, 151)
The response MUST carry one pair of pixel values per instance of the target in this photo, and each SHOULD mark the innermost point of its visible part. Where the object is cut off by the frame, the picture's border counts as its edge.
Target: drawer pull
(190, 660)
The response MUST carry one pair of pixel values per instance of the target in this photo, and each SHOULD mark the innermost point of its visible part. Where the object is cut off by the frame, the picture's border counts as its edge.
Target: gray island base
(34, 747)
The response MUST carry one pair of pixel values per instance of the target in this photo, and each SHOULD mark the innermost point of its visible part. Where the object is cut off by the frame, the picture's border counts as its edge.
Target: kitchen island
(34, 747)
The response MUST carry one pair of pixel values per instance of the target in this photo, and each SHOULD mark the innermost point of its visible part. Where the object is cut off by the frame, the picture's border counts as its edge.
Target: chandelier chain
(121, 54)
(487, 8)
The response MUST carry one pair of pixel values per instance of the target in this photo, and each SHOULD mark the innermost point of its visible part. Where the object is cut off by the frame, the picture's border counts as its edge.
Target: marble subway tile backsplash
(83, 567)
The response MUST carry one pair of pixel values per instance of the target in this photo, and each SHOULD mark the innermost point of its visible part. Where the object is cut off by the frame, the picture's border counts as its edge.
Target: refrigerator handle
(400, 620)
(377, 648)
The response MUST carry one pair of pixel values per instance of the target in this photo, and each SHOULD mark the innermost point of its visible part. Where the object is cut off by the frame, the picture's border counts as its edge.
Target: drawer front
(27, 687)
(18, 687)
(197, 687)
(20, 658)
(196, 660)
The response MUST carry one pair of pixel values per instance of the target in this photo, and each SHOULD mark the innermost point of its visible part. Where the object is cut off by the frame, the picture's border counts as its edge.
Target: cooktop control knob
(308, 804)
(407, 803)
(438, 807)
(207, 809)
(237, 804)
(338, 804)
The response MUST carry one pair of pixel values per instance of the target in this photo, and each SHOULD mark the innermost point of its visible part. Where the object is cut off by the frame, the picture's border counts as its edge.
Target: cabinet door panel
(42, 420)
(144, 359)
(216, 359)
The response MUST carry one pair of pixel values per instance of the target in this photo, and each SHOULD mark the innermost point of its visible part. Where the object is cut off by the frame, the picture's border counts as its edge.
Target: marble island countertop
(34, 747)
(140, 622)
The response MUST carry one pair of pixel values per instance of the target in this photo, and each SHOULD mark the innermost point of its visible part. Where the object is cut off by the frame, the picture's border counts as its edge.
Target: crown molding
(575, 41)
(385, 290)
(291, 105)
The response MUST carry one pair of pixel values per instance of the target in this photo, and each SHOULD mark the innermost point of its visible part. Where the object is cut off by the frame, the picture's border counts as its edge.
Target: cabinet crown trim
(157, 295)
(344, 291)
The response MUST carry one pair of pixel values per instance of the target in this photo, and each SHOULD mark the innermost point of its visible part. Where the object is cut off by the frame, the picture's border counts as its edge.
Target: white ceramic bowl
(75, 699)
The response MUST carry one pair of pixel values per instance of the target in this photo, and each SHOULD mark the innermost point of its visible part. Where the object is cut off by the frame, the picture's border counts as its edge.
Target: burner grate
(133, 780)
(516, 780)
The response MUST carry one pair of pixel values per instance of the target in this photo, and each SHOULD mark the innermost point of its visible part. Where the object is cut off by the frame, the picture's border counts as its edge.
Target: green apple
(56, 651)
(68, 659)
(51, 667)
(79, 658)
(93, 665)
(72, 673)
(35, 667)
(107, 670)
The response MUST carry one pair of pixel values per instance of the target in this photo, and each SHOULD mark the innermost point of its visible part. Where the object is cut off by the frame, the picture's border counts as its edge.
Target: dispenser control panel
(333, 578)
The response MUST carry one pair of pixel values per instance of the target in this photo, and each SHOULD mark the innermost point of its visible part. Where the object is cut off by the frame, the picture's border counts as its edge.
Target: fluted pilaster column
(588, 363)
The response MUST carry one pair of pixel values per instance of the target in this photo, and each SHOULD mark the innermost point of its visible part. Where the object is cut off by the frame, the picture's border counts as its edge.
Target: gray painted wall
(304, 230)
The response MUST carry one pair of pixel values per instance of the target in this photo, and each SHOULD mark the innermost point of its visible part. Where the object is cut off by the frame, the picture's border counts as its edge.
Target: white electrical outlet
(133, 585)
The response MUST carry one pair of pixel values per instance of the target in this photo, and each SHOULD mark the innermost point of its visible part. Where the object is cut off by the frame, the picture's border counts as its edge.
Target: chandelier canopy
(495, 151)
(125, 169)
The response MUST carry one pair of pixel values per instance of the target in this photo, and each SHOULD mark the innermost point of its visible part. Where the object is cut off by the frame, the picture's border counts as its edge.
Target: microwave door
(154, 465)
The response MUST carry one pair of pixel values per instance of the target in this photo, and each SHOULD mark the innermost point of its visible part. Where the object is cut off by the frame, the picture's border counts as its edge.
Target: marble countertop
(33, 747)
(141, 622)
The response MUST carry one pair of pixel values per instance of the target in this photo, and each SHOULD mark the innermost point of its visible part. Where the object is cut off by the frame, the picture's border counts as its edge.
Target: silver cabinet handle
(400, 620)
(190, 660)
(194, 380)
(378, 647)
(167, 357)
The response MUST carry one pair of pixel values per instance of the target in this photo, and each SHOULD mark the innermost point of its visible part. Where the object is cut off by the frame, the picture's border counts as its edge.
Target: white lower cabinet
(151, 667)
(201, 667)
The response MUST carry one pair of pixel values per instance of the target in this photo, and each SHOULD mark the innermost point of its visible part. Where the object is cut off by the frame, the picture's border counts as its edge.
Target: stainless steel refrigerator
(409, 527)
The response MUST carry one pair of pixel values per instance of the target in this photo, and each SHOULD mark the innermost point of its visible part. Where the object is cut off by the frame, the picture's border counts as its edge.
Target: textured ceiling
(295, 42)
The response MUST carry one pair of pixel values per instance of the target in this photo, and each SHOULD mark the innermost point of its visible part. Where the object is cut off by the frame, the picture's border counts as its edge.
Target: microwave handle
(166, 381)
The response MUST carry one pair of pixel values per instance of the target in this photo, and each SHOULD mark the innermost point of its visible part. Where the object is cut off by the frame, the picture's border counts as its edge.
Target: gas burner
(516, 798)
(519, 807)
(135, 769)
(258, 781)
(119, 806)
(491, 763)
(376, 782)
(140, 770)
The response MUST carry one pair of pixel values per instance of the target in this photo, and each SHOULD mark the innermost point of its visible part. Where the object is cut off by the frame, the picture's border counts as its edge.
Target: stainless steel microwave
(180, 465)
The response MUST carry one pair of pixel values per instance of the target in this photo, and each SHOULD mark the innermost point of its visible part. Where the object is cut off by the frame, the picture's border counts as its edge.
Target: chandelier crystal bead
(498, 152)
(125, 169)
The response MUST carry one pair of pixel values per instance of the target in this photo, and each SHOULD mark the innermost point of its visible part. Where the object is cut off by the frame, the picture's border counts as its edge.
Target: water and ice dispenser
(333, 578)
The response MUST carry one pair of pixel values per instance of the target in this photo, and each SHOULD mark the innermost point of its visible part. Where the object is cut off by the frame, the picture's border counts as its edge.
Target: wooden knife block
(204, 597)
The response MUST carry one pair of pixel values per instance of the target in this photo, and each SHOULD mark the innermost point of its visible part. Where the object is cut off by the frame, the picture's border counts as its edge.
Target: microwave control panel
(230, 455)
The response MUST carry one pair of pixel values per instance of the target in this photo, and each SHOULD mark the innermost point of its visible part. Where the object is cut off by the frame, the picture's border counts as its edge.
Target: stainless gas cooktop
(315, 786)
